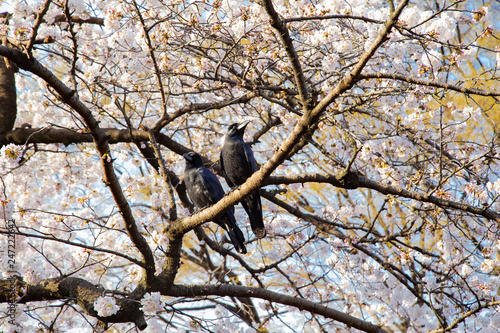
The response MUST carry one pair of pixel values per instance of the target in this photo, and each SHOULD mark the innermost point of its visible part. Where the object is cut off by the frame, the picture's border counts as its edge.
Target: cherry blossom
(106, 306)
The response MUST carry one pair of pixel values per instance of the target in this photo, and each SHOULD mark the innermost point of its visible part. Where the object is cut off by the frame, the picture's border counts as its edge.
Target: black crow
(204, 189)
(237, 164)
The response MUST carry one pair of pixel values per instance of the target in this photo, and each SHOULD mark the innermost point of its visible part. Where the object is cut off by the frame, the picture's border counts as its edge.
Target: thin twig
(164, 175)
(36, 26)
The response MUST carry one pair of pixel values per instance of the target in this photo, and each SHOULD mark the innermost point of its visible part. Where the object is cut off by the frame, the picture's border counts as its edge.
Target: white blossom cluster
(106, 306)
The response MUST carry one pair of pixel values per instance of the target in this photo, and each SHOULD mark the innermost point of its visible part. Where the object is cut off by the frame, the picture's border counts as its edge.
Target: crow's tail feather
(253, 207)
(237, 239)
(234, 232)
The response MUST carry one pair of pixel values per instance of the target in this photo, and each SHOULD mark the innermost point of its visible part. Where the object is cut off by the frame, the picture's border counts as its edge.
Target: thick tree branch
(81, 291)
(271, 296)
(172, 260)
(8, 97)
(85, 293)
(62, 18)
(352, 180)
(66, 136)
(79, 20)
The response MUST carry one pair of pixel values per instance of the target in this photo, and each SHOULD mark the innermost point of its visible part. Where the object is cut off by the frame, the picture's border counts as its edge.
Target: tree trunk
(8, 106)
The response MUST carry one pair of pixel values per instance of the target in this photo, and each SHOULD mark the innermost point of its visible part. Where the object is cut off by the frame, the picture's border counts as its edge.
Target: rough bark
(80, 291)
(8, 105)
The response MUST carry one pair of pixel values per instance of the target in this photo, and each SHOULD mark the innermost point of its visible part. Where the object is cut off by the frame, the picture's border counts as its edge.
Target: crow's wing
(237, 167)
(249, 157)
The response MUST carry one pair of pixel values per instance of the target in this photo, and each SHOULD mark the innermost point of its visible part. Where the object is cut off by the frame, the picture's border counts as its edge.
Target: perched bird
(204, 189)
(238, 164)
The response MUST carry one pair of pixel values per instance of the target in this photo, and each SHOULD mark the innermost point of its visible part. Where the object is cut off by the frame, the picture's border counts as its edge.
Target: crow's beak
(243, 125)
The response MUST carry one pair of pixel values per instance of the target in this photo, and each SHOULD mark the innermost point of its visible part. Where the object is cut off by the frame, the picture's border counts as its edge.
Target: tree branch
(349, 80)
(271, 296)
(428, 83)
(302, 126)
(333, 16)
(167, 118)
(8, 97)
(83, 246)
(465, 316)
(101, 142)
(38, 22)
(81, 291)
(164, 174)
(352, 180)
(79, 20)
(287, 42)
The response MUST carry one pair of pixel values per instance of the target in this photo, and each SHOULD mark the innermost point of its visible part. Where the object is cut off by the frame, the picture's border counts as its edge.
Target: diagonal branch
(153, 59)
(349, 80)
(101, 142)
(36, 26)
(425, 197)
(287, 42)
(466, 315)
(164, 174)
